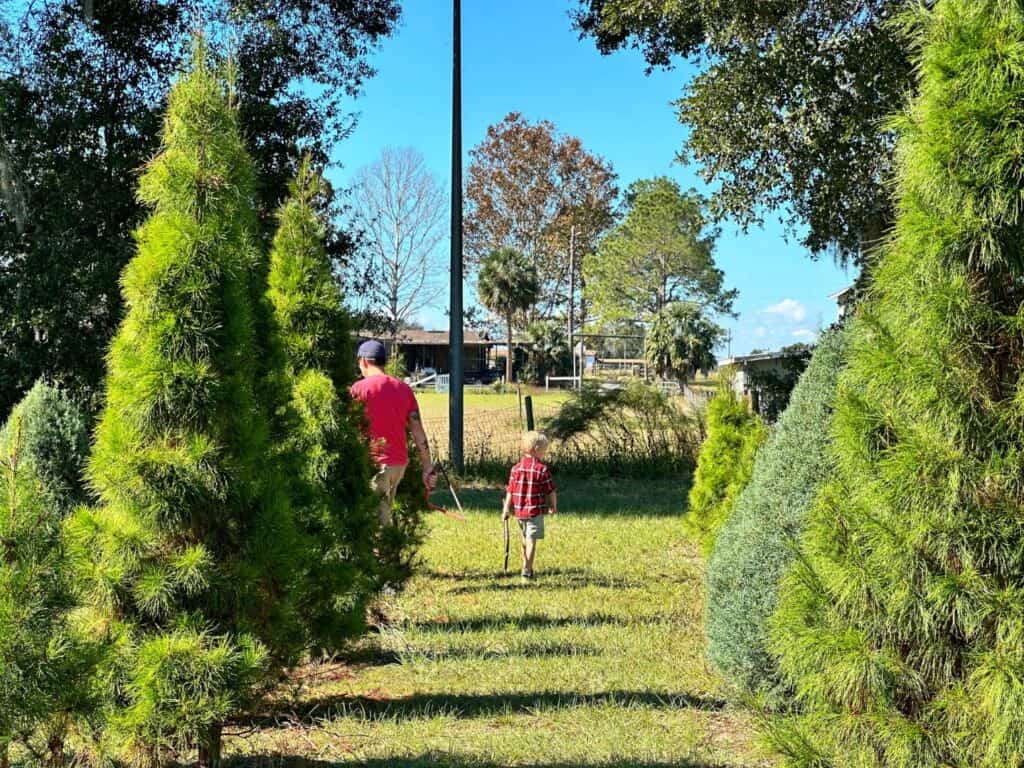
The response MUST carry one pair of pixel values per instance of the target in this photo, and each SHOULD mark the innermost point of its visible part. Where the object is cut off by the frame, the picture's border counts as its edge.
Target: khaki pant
(385, 482)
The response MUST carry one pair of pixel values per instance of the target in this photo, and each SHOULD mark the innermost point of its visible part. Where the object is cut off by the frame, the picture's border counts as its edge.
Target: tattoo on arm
(419, 436)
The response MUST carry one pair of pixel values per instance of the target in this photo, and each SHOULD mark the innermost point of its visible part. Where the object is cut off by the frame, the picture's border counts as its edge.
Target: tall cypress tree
(902, 624)
(187, 560)
(319, 429)
(754, 547)
(44, 666)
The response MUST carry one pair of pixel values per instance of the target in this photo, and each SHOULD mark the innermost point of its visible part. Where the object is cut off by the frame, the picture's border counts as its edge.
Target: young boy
(532, 494)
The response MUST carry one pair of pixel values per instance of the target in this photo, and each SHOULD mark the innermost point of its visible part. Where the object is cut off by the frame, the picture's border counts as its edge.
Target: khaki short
(385, 482)
(532, 527)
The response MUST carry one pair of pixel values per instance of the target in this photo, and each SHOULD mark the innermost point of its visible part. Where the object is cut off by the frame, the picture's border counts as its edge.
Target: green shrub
(900, 625)
(187, 562)
(398, 544)
(319, 433)
(755, 544)
(44, 667)
(724, 465)
(53, 444)
(633, 431)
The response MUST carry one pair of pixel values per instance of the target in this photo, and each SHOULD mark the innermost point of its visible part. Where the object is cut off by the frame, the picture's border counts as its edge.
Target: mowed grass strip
(599, 662)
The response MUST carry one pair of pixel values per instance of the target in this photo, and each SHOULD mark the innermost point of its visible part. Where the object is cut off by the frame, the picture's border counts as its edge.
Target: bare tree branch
(400, 208)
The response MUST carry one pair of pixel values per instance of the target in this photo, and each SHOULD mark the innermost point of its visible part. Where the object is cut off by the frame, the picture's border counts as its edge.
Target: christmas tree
(901, 625)
(320, 429)
(44, 666)
(188, 559)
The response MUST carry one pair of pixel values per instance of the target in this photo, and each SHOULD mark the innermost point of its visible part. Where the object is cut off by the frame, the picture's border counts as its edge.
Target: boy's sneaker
(526, 577)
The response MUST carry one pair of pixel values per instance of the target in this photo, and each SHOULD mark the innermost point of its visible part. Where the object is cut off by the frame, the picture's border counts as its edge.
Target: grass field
(435, 406)
(492, 422)
(597, 663)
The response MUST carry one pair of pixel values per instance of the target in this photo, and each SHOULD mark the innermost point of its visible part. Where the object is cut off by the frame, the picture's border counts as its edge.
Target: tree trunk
(55, 746)
(508, 358)
(872, 241)
(209, 751)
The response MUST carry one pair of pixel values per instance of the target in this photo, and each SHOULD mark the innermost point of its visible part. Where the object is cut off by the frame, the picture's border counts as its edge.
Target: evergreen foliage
(901, 624)
(187, 560)
(724, 465)
(787, 111)
(662, 251)
(82, 89)
(755, 545)
(508, 286)
(320, 431)
(399, 543)
(44, 667)
(52, 442)
(547, 351)
(680, 341)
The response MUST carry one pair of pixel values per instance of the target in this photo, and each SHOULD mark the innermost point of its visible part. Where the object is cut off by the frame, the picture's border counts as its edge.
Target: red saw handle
(434, 508)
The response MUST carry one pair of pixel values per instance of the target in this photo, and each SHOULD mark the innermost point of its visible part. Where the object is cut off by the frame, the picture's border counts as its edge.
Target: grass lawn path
(597, 663)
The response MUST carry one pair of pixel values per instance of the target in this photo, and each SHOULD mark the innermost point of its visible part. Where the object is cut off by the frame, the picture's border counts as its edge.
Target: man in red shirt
(532, 494)
(390, 407)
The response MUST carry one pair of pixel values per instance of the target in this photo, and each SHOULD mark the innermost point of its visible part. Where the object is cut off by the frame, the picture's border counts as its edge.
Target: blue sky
(524, 57)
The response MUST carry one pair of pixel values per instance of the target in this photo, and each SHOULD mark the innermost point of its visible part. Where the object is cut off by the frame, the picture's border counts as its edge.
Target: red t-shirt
(530, 483)
(388, 403)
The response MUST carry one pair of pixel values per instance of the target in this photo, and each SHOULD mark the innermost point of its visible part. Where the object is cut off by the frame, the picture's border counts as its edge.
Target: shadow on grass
(466, 705)
(369, 655)
(444, 760)
(552, 578)
(525, 650)
(526, 621)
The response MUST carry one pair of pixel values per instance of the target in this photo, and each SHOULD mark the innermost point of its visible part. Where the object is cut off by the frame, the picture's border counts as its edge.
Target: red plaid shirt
(530, 483)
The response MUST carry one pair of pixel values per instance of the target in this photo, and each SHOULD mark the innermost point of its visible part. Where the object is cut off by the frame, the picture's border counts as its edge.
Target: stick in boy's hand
(504, 519)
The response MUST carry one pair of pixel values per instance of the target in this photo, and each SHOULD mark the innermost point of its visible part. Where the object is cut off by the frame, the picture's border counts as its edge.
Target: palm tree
(681, 341)
(549, 349)
(507, 286)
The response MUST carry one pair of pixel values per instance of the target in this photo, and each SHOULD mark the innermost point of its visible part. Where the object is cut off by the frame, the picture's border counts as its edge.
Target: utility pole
(455, 405)
(572, 295)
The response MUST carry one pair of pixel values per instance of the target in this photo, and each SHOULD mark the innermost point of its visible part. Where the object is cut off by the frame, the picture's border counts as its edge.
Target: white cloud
(789, 310)
(760, 332)
(804, 334)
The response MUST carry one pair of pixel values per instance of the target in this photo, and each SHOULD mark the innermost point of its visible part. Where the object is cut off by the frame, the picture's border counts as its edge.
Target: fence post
(528, 401)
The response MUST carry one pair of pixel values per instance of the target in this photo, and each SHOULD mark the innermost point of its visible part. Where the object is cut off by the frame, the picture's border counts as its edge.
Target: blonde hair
(533, 440)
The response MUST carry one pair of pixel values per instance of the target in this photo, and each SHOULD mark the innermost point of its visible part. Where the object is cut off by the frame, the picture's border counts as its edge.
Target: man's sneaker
(526, 577)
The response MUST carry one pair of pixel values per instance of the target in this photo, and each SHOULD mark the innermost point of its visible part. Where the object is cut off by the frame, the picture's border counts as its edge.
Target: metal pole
(455, 405)
(572, 296)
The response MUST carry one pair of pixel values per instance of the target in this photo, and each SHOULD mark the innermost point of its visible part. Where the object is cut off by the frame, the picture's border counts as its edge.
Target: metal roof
(422, 338)
(759, 357)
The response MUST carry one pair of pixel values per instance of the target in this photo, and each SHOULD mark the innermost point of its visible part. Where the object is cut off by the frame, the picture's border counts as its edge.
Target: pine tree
(54, 443)
(724, 465)
(44, 666)
(320, 429)
(755, 544)
(187, 560)
(398, 544)
(901, 625)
